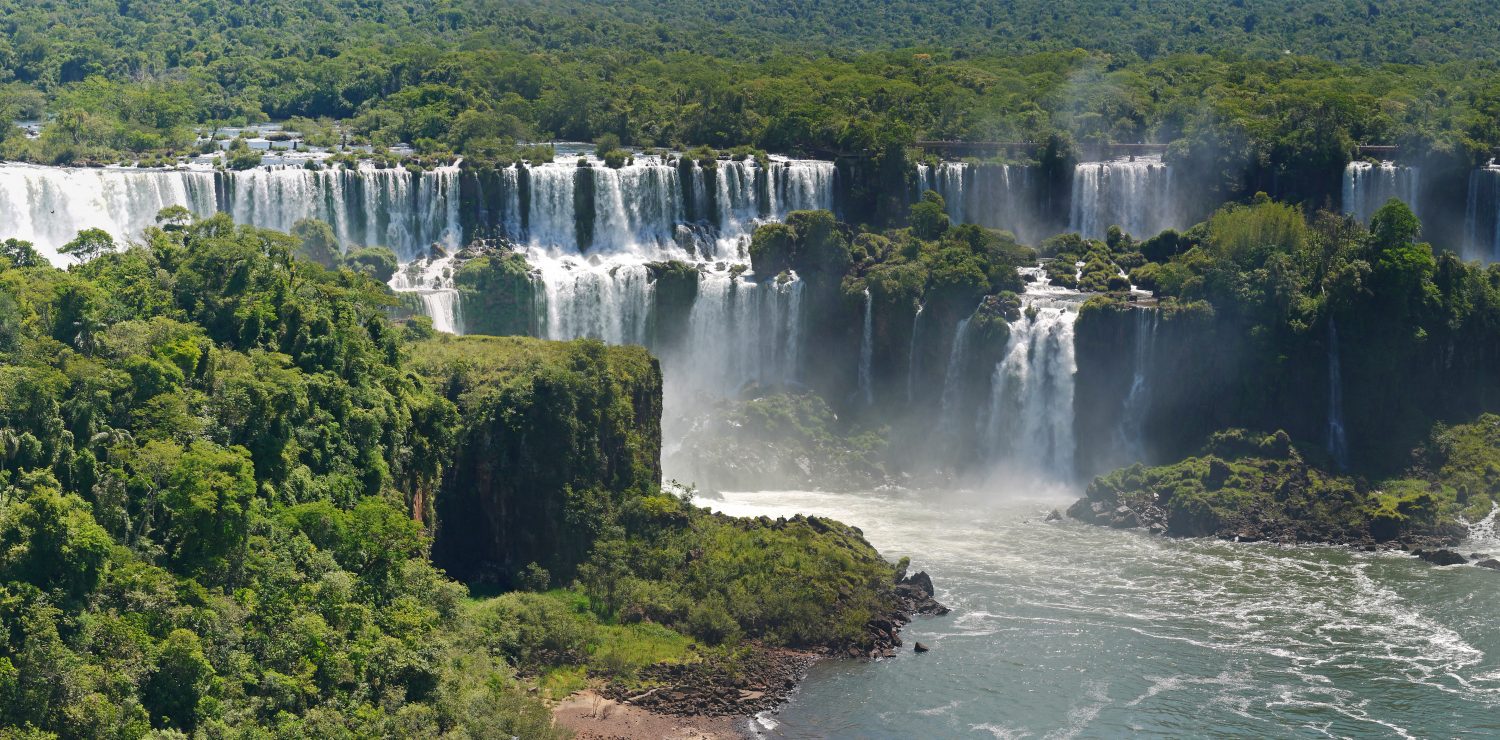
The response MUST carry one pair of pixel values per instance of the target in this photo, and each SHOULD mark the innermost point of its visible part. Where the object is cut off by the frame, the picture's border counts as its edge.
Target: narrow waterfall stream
(1338, 440)
(431, 280)
(867, 352)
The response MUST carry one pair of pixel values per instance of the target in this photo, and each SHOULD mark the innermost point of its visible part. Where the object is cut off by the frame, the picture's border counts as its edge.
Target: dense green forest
(122, 81)
(222, 468)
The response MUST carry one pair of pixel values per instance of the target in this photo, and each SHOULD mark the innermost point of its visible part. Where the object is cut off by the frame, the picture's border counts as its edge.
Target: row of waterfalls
(650, 207)
(595, 238)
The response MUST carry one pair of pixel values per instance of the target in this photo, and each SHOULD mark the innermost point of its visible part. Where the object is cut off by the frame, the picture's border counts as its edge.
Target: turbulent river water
(1062, 629)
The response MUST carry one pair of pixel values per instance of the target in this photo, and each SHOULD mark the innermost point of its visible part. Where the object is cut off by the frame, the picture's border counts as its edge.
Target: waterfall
(867, 352)
(646, 208)
(995, 196)
(1338, 441)
(611, 302)
(393, 207)
(953, 385)
(389, 207)
(432, 282)
(741, 332)
(1482, 215)
(912, 355)
(1130, 435)
(1029, 428)
(1134, 194)
(48, 206)
(1368, 186)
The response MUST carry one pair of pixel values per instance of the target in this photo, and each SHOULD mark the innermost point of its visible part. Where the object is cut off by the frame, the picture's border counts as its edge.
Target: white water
(1338, 441)
(369, 207)
(953, 398)
(1131, 432)
(48, 206)
(1482, 215)
(996, 196)
(1367, 187)
(1064, 630)
(867, 352)
(646, 209)
(1029, 430)
(913, 356)
(1135, 194)
(432, 281)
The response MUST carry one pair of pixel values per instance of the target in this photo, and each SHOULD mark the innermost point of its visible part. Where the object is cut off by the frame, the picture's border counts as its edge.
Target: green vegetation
(1250, 96)
(1256, 301)
(1253, 487)
(222, 467)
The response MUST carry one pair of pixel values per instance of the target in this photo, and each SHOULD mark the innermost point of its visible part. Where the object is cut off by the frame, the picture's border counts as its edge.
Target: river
(1062, 629)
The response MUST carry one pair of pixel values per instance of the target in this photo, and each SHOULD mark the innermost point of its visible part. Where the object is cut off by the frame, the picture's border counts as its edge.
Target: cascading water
(432, 282)
(953, 396)
(1482, 216)
(655, 207)
(393, 207)
(1134, 194)
(740, 333)
(48, 206)
(390, 207)
(1367, 187)
(1338, 441)
(1130, 435)
(1029, 429)
(913, 356)
(995, 196)
(867, 352)
(596, 273)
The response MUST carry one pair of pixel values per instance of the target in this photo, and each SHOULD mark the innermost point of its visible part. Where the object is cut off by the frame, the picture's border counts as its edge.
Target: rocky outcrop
(716, 686)
(551, 439)
(1440, 556)
(912, 596)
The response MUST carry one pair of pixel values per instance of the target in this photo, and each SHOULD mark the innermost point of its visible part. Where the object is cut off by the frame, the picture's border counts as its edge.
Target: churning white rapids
(1062, 629)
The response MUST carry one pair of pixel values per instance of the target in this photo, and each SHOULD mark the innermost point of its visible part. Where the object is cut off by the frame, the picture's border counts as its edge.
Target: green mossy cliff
(552, 439)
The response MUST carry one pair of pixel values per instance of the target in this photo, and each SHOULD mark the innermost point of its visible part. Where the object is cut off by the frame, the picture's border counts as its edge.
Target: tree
(928, 218)
(182, 679)
(21, 253)
(174, 218)
(89, 243)
(50, 540)
(207, 502)
(317, 242)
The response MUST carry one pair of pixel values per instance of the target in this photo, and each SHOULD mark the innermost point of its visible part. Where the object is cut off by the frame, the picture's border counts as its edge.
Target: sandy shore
(593, 717)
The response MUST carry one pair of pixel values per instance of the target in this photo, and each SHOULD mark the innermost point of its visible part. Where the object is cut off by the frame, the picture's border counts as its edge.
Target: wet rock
(1124, 518)
(1490, 563)
(1055, 516)
(921, 647)
(922, 581)
(1441, 557)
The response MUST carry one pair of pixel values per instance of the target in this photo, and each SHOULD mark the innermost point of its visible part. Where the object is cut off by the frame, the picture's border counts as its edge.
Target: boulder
(921, 648)
(922, 581)
(1441, 557)
(1124, 518)
(1054, 516)
(1490, 563)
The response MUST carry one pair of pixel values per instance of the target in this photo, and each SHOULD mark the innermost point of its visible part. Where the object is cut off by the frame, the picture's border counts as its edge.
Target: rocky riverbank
(716, 696)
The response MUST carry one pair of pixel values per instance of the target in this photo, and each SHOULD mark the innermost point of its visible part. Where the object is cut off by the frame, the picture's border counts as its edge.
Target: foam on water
(1065, 629)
